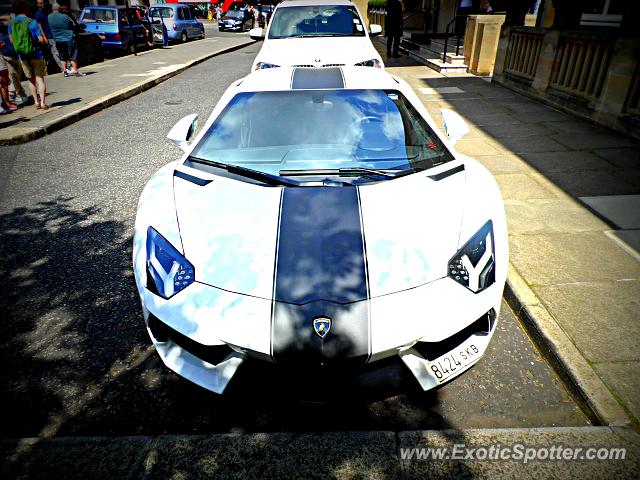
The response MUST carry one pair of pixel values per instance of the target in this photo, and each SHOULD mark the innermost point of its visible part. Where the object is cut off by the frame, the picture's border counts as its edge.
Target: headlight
(237, 22)
(474, 264)
(369, 63)
(168, 271)
(262, 65)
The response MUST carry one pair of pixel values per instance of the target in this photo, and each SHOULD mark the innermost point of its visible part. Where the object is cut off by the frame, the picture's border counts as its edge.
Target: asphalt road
(75, 356)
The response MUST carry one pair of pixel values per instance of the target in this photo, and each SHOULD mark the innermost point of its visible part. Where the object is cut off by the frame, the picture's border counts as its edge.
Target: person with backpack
(28, 41)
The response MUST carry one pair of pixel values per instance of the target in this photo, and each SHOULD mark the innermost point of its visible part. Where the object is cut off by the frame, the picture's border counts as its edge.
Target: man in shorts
(7, 106)
(64, 29)
(13, 63)
(33, 64)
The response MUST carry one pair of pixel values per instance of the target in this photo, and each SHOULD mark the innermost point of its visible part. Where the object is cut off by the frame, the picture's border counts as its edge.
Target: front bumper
(230, 27)
(208, 354)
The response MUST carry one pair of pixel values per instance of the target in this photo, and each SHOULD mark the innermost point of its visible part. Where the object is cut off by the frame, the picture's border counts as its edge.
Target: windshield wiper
(369, 172)
(246, 172)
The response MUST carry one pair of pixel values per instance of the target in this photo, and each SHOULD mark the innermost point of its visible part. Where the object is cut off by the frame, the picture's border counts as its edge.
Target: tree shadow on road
(77, 359)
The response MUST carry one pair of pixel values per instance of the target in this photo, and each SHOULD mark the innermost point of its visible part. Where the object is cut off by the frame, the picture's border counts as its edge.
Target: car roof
(107, 7)
(304, 3)
(297, 78)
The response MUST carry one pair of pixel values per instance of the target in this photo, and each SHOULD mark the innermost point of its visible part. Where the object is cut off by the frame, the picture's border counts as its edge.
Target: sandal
(44, 106)
(38, 106)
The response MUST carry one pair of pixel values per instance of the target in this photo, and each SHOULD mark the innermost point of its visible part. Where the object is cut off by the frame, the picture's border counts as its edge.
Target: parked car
(180, 23)
(90, 49)
(316, 33)
(117, 31)
(326, 256)
(234, 20)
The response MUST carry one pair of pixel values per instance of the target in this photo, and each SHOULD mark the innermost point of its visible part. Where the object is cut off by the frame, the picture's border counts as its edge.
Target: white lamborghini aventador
(319, 223)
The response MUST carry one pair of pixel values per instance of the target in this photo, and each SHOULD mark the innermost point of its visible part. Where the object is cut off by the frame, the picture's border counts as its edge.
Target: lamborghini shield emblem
(321, 326)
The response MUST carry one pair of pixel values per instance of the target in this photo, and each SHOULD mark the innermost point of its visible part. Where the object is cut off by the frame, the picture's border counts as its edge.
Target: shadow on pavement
(77, 360)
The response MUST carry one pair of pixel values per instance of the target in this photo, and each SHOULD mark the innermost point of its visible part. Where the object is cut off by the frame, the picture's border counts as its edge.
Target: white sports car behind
(320, 225)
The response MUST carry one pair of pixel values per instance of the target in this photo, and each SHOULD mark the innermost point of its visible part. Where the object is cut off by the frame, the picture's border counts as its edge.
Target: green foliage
(377, 4)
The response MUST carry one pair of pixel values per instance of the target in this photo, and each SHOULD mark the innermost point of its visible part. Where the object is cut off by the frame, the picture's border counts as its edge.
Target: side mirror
(454, 125)
(256, 34)
(374, 30)
(183, 131)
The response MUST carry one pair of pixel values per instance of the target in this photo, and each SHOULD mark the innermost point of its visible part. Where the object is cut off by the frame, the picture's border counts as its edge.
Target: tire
(202, 36)
(184, 38)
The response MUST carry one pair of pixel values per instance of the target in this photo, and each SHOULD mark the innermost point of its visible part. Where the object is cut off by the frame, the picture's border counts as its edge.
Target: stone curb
(558, 348)
(111, 99)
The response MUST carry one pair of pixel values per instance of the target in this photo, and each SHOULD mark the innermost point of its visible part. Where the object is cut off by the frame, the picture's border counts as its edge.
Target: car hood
(337, 244)
(317, 51)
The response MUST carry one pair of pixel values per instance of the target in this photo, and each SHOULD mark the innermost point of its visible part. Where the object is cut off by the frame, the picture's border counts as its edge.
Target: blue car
(179, 20)
(118, 31)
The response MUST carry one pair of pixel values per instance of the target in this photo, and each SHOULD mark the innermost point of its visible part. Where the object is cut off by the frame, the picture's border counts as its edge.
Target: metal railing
(524, 51)
(581, 66)
(452, 34)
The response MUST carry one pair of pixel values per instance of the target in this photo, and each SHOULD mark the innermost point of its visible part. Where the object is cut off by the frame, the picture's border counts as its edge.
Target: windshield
(91, 15)
(316, 21)
(235, 14)
(321, 129)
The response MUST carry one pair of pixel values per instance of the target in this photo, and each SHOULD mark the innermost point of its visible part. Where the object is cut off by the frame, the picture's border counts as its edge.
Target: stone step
(439, 66)
(455, 59)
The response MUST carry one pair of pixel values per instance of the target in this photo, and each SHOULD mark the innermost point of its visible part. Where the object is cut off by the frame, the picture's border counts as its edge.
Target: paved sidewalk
(572, 196)
(337, 455)
(108, 83)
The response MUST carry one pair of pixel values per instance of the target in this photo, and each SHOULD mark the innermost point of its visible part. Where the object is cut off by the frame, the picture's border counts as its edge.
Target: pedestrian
(247, 17)
(393, 27)
(218, 13)
(13, 62)
(64, 29)
(7, 106)
(41, 16)
(28, 41)
(256, 17)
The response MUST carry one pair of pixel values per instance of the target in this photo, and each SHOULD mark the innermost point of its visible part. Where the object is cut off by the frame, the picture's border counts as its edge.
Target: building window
(601, 13)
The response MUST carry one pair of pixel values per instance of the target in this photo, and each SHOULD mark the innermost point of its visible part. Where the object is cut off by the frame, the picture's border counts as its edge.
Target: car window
(235, 14)
(272, 131)
(308, 21)
(95, 15)
(166, 12)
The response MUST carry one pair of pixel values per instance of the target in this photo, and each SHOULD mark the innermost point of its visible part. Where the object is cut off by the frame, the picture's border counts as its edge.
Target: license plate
(455, 361)
(102, 37)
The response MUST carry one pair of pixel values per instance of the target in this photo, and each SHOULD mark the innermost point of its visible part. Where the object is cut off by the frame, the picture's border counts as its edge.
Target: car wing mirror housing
(182, 131)
(256, 33)
(375, 30)
(454, 125)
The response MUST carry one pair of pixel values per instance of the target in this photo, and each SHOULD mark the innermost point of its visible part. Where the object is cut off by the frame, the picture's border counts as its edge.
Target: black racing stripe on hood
(320, 271)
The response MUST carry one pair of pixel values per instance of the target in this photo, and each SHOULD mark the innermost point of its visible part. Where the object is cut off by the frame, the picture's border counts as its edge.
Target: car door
(181, 22)
(188, 20)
